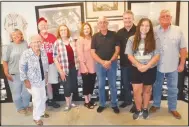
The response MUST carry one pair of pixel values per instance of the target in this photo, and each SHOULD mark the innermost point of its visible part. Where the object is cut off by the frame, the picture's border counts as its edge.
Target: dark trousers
(88, 83)
(126, 84)
(70, 85)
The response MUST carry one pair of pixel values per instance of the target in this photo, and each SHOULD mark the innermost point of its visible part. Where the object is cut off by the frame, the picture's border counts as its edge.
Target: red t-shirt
(48, 46)
(70, 56)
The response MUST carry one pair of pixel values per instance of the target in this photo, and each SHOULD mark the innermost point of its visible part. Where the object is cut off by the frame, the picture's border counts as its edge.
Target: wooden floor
(83, 116)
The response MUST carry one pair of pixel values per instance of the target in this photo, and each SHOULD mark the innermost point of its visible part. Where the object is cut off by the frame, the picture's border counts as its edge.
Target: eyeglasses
(36, 42)
(165, 16)
(102, 23)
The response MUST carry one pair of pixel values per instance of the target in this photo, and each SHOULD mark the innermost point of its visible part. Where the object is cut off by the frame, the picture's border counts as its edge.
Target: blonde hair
(19, 31)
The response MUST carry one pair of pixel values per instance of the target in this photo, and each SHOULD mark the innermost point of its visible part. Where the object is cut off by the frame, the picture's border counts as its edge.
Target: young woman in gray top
(11, 57)
(143, 52)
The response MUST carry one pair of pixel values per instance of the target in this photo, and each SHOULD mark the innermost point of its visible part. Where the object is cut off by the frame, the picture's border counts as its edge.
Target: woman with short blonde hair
(11, 57)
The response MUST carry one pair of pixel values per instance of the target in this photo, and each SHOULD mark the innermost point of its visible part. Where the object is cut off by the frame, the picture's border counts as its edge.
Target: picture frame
(114, 25)
(152, 10)
(95, 9)
(71, 14)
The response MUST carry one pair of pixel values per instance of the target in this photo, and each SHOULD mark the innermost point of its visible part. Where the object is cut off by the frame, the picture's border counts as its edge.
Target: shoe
(38, 122)
(73, 105)
(22, 111)
(124, 104)
(145, 113)
(153, 109)
(116, 109)
(45, 115)
(29, 109)
(93, 103)
(67, 108)
(88, 105)
(176, 114)
(53, 103)
(137, 114)
(100, 109)
(133, 109)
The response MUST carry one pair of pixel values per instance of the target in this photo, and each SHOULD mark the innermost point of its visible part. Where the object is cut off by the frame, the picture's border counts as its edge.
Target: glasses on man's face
(165, 16)
(102, 23)
(36, 42)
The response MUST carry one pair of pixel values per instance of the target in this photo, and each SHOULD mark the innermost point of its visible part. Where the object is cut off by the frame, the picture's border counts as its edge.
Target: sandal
(45, 115)
(22, 111)
(92, 103)
(38, 122)
(29, 109)
(88, 105)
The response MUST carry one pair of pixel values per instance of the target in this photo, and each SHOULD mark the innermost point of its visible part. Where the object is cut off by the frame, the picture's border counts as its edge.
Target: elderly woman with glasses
(34, 72)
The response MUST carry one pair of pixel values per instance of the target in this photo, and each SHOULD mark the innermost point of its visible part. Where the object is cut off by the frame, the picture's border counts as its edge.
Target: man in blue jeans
(172, 44)
(105, 50)
(123, 35)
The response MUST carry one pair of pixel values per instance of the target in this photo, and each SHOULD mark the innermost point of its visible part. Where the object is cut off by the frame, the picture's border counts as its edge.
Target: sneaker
(100, 109)
(137, 114)
(73, 105)
(145, 113)
(53, 103)
(67, 108)
(124, 104)
(116, 109)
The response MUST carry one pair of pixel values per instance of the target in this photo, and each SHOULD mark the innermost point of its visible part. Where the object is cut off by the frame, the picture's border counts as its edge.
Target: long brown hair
(58, 32)
(82, 29)
(149, 40)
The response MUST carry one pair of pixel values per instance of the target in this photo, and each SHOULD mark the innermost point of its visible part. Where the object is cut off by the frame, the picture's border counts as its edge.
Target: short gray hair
(34, 36)
(102, 17)
(165, 11)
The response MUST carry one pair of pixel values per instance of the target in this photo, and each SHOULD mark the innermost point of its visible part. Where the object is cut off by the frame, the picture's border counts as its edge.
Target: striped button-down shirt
(60, 52)
(171, 41)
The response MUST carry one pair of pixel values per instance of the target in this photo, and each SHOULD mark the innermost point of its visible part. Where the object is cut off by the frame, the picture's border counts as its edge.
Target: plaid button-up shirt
(60, 52)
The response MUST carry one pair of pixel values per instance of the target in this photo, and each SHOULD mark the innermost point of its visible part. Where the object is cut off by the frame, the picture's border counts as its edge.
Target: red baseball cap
(41, 19)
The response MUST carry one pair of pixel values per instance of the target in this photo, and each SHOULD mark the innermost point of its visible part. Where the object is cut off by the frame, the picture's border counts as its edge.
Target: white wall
(27, 10)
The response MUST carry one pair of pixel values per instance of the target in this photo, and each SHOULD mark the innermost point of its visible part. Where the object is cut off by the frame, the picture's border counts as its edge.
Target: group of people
(147, 55)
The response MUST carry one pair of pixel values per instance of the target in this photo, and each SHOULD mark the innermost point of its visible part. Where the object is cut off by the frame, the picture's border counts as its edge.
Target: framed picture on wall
(152, 10)
(71, 14)
(109, 9)
(114, 25)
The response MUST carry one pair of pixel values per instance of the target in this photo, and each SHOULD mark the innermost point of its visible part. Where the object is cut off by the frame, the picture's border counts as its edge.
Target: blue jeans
(20, 95)
(126, 84)
(172, 82)
(102, 73)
